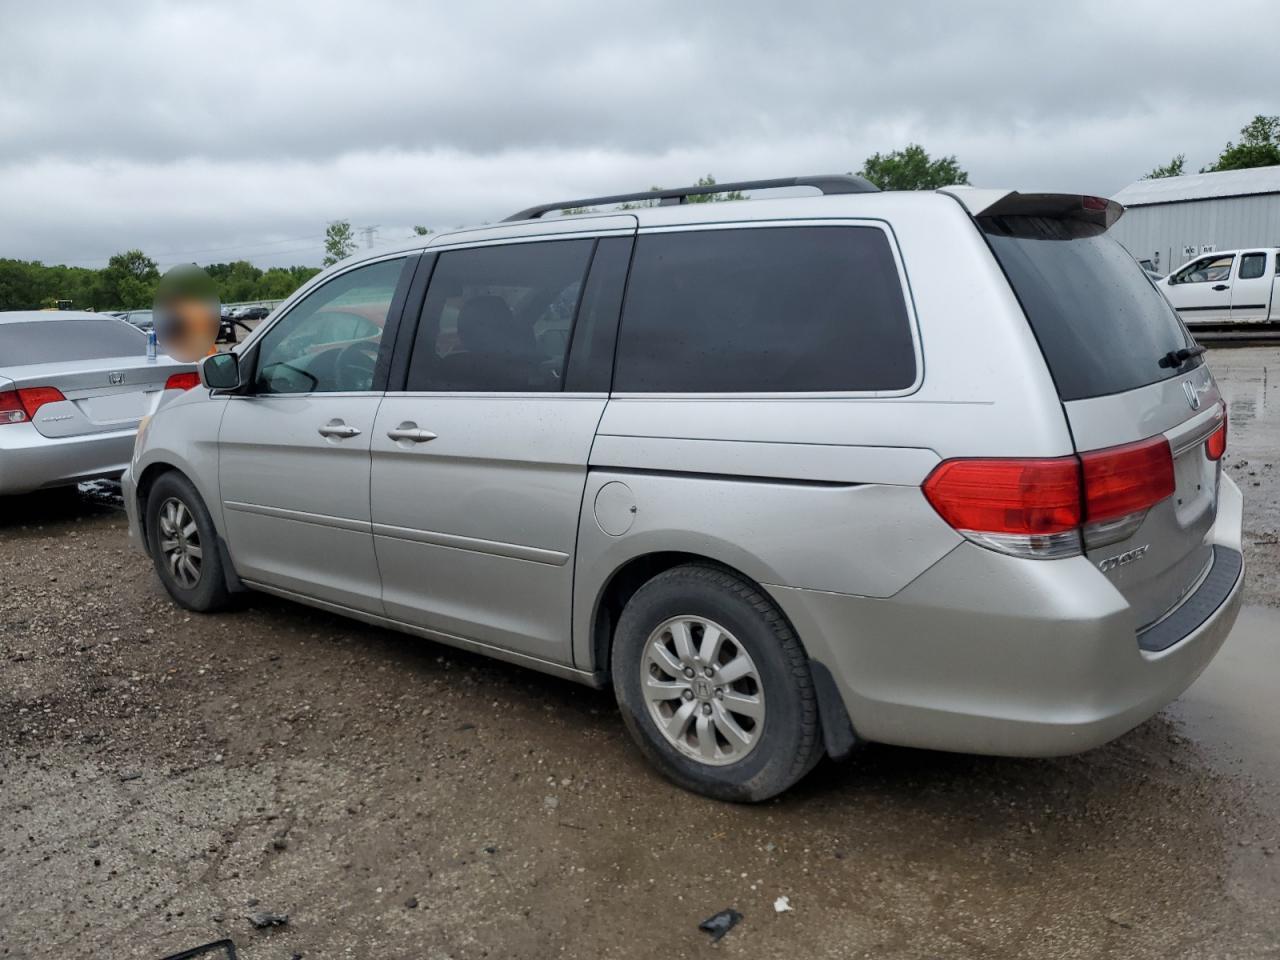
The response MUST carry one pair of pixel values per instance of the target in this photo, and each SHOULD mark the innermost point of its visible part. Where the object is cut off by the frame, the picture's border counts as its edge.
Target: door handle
(1221, 286)
(336, 428)
(412, 432)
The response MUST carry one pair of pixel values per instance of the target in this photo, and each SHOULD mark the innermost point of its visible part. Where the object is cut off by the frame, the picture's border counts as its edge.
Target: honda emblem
(1193, 397)
(115, 378)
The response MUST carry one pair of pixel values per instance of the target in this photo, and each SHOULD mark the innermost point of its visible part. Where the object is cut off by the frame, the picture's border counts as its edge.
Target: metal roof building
(1173, 219)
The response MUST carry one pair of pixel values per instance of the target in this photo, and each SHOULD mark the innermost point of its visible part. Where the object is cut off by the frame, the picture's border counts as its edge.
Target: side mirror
(220, 371)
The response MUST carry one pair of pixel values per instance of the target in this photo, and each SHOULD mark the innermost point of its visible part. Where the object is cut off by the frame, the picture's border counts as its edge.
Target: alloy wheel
(703, 690)
(180, 542)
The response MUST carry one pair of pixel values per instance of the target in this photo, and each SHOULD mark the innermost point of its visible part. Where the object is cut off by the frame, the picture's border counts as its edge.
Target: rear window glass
(1102, 325)
(57, 340)
(765, 309)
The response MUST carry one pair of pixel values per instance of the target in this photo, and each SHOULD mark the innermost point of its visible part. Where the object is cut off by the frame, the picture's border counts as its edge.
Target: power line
(242, 248)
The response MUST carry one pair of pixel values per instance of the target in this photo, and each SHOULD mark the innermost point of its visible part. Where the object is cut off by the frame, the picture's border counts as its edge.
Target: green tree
(20, 284)
(422, 231)
(1174, 168)
(129, 280)
(1259, 146)
(339, 242)
(911, 168)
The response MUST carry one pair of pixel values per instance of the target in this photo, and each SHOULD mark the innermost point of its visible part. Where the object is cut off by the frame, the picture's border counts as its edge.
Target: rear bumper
(30, 461)
(990, 654)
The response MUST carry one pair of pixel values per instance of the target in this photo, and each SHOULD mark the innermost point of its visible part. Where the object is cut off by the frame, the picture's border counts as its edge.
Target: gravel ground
(163, 776)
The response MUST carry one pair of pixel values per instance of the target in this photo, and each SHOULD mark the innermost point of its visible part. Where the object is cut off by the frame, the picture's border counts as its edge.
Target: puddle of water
(1252, 392)
(1233, 710)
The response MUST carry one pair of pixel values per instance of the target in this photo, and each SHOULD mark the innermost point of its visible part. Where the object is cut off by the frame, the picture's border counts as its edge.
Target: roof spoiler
(1098, 211)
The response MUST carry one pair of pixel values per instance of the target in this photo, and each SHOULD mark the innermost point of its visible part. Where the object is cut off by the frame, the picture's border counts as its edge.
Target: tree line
(128, 282)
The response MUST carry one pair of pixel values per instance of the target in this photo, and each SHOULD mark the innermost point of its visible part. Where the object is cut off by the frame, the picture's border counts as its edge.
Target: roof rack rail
(831, 183)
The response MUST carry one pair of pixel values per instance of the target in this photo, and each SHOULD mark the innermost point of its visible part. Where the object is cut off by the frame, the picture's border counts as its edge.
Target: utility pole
(369, 233)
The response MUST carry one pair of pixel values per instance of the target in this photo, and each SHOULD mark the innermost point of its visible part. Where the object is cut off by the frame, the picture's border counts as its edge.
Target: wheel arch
(142, 491)
(145, 483)
(837, 729)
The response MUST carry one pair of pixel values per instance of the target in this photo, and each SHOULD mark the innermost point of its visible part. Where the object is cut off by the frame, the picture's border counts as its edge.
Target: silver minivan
(939, 469)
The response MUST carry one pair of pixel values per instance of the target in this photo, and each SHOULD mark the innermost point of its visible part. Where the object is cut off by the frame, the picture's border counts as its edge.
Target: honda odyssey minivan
(939, 469)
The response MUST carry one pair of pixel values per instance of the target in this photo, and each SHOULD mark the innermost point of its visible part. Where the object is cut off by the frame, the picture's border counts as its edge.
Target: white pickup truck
(1226, 286)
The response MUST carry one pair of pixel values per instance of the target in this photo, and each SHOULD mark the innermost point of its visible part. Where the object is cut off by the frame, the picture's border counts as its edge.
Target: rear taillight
(182, 381)
(19, 406)
(1216, 445)
(11, 407)
(1056, 507)
(1121, 484)
(1022, 507)
(1121, 480)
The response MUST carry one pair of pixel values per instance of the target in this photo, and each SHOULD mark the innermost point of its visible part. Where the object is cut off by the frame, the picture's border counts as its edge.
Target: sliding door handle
(410, 431)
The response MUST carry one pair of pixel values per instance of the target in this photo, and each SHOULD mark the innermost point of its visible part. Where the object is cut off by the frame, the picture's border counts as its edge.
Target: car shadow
(95, 498)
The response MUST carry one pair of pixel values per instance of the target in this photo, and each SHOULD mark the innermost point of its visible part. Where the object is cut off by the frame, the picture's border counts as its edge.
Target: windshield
(1102, 325)
(54, 340)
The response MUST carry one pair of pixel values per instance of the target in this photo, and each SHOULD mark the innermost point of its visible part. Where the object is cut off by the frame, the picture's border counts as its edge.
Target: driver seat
(498, 351)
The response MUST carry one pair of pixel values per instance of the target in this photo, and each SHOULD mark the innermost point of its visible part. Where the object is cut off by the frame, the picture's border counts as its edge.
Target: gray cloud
(210, 131)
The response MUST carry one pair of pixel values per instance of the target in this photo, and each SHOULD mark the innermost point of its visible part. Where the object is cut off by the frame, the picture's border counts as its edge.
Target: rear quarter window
(1102, 325)
(765, 309)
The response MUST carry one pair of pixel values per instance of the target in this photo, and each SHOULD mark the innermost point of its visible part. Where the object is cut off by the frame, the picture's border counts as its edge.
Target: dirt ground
(164, 775)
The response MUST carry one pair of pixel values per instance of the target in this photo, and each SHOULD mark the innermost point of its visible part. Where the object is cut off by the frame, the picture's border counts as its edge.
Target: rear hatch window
(1111, 340)
(64, 340)
(1102, 325)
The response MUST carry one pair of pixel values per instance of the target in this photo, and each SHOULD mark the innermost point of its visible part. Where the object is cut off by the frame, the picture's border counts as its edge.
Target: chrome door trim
(453, 541)
(494, 394)
(497, 653)
(282, 513)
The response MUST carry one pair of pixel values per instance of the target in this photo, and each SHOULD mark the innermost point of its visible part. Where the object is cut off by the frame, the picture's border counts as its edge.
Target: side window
(764, 309)
(596, 329)
(329, 341)
(499, 318)
(1252, 266)
(1213, 269)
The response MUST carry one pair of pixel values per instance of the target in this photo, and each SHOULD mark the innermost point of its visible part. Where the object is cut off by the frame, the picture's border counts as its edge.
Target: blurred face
(186, 313)
(186, 326)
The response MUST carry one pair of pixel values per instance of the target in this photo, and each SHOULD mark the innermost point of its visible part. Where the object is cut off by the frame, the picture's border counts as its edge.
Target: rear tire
(184, 545)
(714, 686)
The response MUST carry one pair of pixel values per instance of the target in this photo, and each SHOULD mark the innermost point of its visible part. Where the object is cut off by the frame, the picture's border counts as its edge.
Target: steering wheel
(354, 366)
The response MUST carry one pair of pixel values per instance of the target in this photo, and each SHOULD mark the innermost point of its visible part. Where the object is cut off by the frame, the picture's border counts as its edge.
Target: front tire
(714, 686)
(184, 545)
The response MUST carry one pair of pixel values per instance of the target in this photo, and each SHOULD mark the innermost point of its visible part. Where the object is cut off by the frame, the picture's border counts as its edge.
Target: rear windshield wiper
(1176, 358)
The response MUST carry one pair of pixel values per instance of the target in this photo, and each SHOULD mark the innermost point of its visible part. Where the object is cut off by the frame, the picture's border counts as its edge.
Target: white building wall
(1225, 223)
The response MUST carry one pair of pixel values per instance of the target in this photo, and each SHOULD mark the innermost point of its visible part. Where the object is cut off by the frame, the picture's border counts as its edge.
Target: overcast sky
(230, 130)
